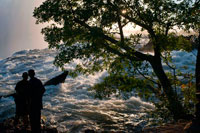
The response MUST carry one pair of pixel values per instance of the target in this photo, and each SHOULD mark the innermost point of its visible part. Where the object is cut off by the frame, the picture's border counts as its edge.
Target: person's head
(25, 76)
(31, 73)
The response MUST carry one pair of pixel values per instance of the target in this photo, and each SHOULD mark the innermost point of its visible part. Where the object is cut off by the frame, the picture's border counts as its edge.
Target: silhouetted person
(36, 92)
(21, 99)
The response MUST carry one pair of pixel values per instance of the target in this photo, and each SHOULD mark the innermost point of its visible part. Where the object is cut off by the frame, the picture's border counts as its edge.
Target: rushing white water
(69, 106)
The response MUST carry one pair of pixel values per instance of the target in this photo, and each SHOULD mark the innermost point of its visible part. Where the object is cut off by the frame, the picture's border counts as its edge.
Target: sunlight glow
(124, 11)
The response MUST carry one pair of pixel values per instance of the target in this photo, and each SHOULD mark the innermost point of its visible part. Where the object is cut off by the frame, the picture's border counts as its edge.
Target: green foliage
(116, 84)
(93, 31)
(123, 80)
(189, 92)
(183, 83)
(95, 23)
(174, 42)
(161, 114)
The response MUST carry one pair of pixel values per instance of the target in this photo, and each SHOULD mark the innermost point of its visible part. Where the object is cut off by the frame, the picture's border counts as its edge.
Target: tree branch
(136, 55)
(147, 77)
(120, 28)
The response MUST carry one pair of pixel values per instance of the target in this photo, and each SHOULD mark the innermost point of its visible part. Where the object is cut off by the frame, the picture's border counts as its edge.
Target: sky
(18, 30)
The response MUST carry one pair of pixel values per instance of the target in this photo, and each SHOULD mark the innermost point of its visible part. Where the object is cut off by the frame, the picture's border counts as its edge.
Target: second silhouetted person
(36, 92)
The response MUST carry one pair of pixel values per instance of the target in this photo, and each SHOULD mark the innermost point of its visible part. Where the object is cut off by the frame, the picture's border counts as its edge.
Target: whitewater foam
(70, 106)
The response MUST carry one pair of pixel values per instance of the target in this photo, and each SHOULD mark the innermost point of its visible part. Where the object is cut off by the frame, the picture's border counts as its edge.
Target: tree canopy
(94, 31)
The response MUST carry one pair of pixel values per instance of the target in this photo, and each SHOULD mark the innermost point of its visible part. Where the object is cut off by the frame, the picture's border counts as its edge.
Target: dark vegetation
(93, 30)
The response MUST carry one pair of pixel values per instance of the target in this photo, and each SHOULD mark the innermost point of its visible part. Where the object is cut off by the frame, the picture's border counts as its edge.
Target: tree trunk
(175, 106)
(197, 71)
(197, 75)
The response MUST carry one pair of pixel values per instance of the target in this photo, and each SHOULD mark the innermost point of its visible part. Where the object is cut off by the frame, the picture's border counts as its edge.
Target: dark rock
(177, 127)
(58, 79)
(89, 131)
(8, 126)
(147, 48)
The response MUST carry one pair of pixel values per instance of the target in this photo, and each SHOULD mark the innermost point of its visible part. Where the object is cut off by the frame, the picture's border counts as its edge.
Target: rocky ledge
(8, 126)
(178, 127)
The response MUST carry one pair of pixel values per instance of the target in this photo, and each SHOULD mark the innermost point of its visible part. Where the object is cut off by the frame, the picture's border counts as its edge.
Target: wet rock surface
(177, 127)
(9, 126)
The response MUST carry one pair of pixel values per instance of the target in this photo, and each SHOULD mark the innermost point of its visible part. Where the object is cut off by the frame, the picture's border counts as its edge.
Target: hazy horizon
(18, 30)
